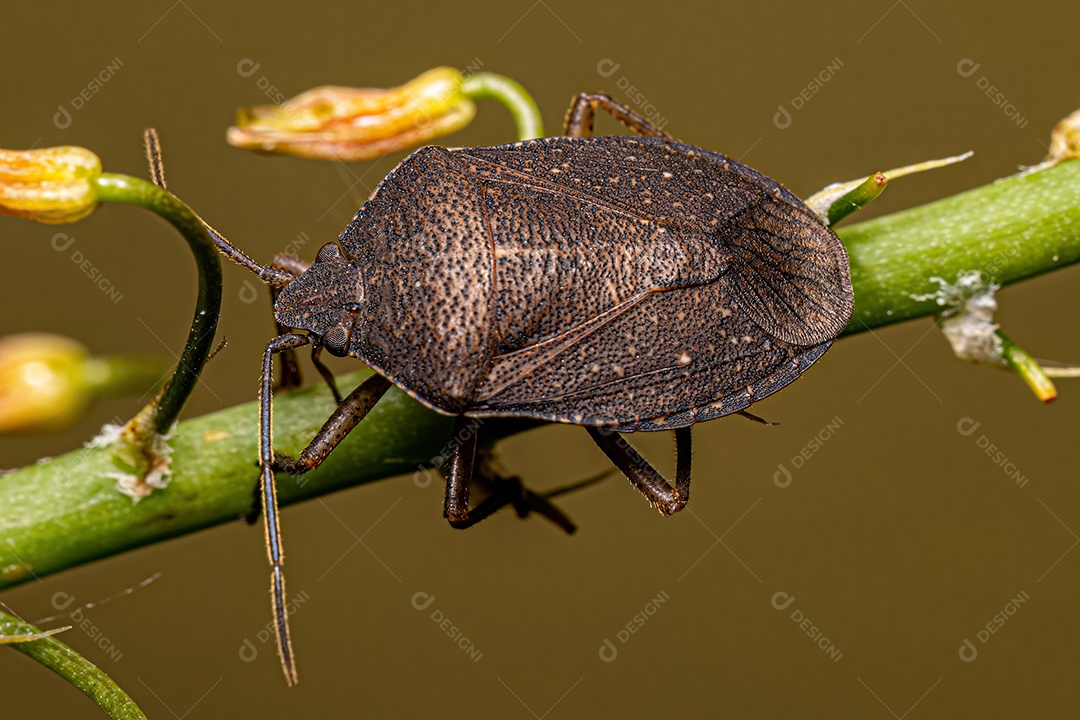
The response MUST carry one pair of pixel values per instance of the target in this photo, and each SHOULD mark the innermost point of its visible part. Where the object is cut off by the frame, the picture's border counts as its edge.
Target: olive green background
(899, 539)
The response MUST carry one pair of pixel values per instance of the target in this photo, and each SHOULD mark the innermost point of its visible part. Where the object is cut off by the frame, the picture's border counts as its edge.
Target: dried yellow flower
(339, 123)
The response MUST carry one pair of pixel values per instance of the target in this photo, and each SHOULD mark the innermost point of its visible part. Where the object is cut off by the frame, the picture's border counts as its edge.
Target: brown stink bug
(619, 283)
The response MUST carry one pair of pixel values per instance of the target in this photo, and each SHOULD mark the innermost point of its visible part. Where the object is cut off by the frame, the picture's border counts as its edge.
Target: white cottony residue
(967, 316)
(109, 435)
(157, 471)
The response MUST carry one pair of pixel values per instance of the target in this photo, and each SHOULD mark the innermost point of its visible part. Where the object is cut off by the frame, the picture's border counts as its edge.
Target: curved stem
(200, 341)
(516, 99)
(73, 667)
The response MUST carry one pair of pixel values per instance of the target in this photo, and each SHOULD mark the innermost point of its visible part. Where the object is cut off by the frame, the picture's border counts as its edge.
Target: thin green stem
(516, 99)
(861, 196)
(200, 341)
(1020, 362)
(73, 667)
(115, 374)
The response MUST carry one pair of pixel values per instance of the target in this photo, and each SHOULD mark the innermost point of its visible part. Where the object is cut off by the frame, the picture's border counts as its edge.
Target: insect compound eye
(329, 251)
(336, 340)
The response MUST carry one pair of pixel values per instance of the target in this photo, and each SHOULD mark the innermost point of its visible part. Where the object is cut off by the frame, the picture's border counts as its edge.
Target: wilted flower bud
(49, 185)
(338, 123)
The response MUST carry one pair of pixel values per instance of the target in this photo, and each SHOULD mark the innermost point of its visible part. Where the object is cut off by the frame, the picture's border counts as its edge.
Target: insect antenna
(153, 156)
(269, 275)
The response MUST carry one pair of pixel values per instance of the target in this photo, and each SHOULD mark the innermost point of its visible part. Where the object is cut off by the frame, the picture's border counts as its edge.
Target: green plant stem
(64, 512)
(489, 86)
(1009, 230)
(861, 196)
(115, 374)
(200, 341)
(76, 669)
(1020, 362)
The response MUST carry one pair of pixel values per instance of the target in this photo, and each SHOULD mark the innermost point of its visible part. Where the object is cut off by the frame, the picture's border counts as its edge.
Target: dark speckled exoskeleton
(620, 283)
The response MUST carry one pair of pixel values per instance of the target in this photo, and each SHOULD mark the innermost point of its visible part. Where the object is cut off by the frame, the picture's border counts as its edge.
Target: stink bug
(620, 283)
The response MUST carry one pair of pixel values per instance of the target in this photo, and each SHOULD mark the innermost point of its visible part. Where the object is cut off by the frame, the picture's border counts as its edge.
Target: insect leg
(459, 475)
(755, 418)
(348, 415)
(327, 376)
(290, 369)
(269, 500)
(462, 469)
(579, 118)
(643, 476)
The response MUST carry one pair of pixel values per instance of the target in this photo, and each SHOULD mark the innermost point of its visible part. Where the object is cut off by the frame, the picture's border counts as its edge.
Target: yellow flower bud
(49, 185)
(338, 123)
(42, 382)
(47, 381)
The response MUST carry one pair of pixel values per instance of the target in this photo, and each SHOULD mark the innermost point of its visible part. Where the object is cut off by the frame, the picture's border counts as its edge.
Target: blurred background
(848, 562)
